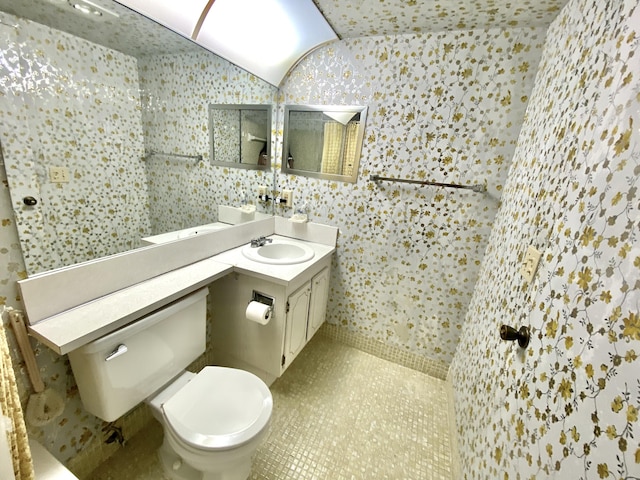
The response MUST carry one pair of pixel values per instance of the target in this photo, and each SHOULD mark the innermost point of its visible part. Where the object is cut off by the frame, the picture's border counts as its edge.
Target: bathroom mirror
(240, 136)
(323, 141)
(118, 148)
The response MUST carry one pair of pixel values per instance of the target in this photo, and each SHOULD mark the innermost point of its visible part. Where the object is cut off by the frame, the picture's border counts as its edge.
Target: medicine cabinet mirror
(323, 141)
(240, 136)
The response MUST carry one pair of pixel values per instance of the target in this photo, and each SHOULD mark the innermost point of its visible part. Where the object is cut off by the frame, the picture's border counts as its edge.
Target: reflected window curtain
(331, 148)
(15, 442)
(350, 142)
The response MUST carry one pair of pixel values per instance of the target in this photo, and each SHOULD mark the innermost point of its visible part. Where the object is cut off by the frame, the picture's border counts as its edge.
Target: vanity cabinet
(318, 302)
(297, 310)
(266, 350)
(306, 309)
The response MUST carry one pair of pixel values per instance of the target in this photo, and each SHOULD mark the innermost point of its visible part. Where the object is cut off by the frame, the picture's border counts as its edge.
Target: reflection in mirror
(227, 217)
(240, 136)
(83, 103)
(323, 141)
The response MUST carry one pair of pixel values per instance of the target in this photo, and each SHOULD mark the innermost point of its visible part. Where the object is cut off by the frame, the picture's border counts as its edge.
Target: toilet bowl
(213, 421)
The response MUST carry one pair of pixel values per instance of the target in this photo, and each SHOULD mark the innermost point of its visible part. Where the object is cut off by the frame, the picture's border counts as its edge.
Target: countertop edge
(78, 326)
(73, 328)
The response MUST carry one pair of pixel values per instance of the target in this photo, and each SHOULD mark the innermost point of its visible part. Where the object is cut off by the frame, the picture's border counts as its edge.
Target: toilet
(213, 421)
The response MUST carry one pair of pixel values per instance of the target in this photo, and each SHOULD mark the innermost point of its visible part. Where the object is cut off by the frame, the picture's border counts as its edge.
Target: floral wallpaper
(94, 111)
(226, 146)
(360, 18)
(69, 103)
(176, 93)
(71, 431)
(121, 33)
(65, 102)
(567, 407)
(445, 107)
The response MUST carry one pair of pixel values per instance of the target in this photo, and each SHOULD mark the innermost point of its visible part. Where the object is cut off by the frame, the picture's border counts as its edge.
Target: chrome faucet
(260, 241)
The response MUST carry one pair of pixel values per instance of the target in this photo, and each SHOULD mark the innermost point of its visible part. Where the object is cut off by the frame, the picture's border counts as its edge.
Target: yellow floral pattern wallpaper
(176, 91)
(546, 120)
(444, 107)
(362, 18)
(72, 104)
(68, 102)
(567, 407)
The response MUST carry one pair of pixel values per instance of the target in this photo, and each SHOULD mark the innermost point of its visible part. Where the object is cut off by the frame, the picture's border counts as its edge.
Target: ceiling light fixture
(265, 37)
(86, 7)
(100, 9)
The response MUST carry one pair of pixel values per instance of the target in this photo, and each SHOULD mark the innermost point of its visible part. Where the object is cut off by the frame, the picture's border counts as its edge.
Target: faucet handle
(260, 241)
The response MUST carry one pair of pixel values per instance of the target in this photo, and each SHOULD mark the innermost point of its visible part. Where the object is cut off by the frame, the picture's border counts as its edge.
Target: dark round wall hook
(511, 334)
(29, 201)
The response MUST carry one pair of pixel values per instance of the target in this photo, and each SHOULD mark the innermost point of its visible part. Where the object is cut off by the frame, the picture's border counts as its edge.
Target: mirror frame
(362, 110)
(240, 106)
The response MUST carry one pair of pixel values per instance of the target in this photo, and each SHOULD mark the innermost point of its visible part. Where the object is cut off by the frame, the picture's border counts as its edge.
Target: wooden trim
(203, 15)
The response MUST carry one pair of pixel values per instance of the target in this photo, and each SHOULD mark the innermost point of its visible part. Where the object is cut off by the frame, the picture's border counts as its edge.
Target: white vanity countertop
(280, 274)
(76, 327)
(72, 307)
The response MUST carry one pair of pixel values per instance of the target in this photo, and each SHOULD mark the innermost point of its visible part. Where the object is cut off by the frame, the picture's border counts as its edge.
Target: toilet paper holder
(262, 298)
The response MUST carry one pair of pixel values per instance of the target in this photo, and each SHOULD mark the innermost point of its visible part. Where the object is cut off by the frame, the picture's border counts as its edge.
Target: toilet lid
(219, 408)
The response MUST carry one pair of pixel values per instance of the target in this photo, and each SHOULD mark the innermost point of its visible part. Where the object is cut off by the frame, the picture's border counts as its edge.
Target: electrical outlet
(58, 174)
(262, 190)
(530, 264)
(287, 196)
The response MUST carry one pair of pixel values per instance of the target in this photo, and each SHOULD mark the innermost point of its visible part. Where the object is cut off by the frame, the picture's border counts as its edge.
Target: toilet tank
(121, 369)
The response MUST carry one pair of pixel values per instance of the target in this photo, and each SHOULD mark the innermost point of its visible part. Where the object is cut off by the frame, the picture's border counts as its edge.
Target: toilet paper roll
(258, 312)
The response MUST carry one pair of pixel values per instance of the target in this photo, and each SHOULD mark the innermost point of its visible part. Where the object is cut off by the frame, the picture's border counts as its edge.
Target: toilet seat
(219, 409)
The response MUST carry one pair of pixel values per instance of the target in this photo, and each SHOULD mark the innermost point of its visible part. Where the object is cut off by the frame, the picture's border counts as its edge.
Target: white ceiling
(137, 36)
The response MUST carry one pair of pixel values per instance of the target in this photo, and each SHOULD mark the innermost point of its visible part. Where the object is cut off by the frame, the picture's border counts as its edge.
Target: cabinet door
(296, 330)
(318, 303)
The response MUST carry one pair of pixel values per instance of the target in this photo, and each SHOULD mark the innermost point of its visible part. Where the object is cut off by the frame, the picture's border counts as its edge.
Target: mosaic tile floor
(339, 414)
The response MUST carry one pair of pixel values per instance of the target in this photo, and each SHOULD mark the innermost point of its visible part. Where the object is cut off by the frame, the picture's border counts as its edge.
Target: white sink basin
(279, 252)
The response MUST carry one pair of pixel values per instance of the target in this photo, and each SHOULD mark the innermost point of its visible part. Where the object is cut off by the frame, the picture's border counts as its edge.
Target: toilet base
(174, 467)
(184, 471)
(232, 464)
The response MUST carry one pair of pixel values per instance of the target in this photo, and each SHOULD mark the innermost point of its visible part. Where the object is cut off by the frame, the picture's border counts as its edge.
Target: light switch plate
(58, 174)
(287, 195)
(530, 263)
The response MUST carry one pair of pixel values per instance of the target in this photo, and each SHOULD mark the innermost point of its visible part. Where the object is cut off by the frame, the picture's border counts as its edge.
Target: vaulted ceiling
(134, 35)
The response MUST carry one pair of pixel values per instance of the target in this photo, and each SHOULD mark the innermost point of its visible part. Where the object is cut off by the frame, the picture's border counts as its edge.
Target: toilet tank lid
(219, 409)
(143, 322)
